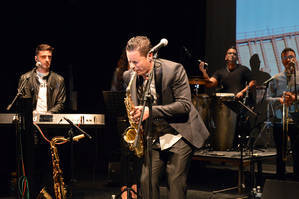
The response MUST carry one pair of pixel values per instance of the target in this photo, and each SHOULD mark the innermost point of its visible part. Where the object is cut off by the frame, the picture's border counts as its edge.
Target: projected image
(264, 29)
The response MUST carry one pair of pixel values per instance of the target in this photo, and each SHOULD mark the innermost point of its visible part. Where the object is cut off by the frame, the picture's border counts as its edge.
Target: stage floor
(205, 178)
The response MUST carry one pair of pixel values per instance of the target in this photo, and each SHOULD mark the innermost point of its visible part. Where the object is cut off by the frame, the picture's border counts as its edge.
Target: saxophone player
(177, 126)
(281, 95)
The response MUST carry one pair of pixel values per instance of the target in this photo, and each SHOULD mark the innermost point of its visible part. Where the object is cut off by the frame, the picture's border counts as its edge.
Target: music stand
(238, 107)
(115, 108)
(114, 103)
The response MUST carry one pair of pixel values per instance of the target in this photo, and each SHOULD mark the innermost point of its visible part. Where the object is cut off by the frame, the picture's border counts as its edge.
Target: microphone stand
(76, 127)
(19, 93)
(22, 114)
(148, 100)
(71, 136)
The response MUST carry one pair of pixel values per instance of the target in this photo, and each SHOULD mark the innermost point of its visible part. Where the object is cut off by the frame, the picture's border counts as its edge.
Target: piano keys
(58, 119)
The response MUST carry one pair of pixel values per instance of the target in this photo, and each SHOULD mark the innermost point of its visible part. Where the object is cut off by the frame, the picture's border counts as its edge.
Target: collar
(42, 75)
(232, 69)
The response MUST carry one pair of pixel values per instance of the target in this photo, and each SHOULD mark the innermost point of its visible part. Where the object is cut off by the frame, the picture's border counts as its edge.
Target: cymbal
(198, 81)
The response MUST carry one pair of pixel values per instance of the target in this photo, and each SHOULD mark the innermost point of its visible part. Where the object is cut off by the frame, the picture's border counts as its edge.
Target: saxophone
(59, 186)
(131, 132)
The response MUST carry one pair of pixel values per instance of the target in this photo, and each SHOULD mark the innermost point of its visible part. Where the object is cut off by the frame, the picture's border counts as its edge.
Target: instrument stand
(70, 134)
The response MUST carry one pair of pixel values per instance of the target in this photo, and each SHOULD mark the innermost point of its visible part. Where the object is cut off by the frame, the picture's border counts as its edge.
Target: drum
(225, 121)
(202, 103)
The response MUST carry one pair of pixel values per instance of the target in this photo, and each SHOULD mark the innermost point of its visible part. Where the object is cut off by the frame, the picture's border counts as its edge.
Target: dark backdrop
(89, 36)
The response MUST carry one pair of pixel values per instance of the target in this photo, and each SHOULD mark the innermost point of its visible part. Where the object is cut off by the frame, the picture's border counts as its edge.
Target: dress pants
(293, 133)
(176, 162)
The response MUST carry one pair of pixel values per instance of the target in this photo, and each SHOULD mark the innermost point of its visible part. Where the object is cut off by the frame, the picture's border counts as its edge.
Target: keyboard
(58, 119)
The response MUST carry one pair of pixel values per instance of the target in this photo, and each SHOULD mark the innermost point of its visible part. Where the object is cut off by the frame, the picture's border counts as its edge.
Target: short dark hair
(41, 47)
(140, 43)
(287, 50)
(232, 47)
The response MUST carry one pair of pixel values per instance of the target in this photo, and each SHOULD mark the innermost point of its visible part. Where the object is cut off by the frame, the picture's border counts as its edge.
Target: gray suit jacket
(174, 101)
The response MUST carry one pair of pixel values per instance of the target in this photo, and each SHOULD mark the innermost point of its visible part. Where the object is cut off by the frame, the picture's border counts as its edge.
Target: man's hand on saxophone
(136, 113)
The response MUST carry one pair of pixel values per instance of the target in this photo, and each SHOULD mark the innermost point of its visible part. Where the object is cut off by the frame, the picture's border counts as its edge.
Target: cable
(43, 135)
(22, 183)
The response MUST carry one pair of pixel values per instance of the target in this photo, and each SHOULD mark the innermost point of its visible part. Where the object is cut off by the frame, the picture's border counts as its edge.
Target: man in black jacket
(45, 87)
(177, 127)
(47, 91)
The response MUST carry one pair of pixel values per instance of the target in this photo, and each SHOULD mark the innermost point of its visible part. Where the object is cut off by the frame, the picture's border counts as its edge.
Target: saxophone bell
(130, 135)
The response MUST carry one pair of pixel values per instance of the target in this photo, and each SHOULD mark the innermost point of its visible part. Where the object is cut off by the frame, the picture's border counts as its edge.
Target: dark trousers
(293, 133)
(176, 162)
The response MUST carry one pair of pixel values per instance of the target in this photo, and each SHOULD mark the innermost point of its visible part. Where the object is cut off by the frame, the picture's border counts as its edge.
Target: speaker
(277, 189)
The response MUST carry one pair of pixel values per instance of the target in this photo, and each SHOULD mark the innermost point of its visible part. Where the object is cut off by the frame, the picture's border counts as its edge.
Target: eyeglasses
(288, 57)
(231, 53)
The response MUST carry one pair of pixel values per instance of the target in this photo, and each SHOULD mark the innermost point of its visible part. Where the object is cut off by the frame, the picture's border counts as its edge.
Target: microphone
(156, 48)
(78, 137)
(187, 52)
(292, 63)
(270, 79)
(38, 64)
(292, 66)
(199, 61)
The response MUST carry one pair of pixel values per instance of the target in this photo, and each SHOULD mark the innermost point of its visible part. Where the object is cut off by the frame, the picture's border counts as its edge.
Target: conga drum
(225, 121)
(202, 103)
(200, 99)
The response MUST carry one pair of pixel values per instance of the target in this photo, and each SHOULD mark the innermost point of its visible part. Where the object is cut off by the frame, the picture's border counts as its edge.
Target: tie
(139, 86)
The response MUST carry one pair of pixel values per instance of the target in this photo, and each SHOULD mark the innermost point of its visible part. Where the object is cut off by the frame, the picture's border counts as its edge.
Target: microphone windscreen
(164, 41)
(38, 64)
